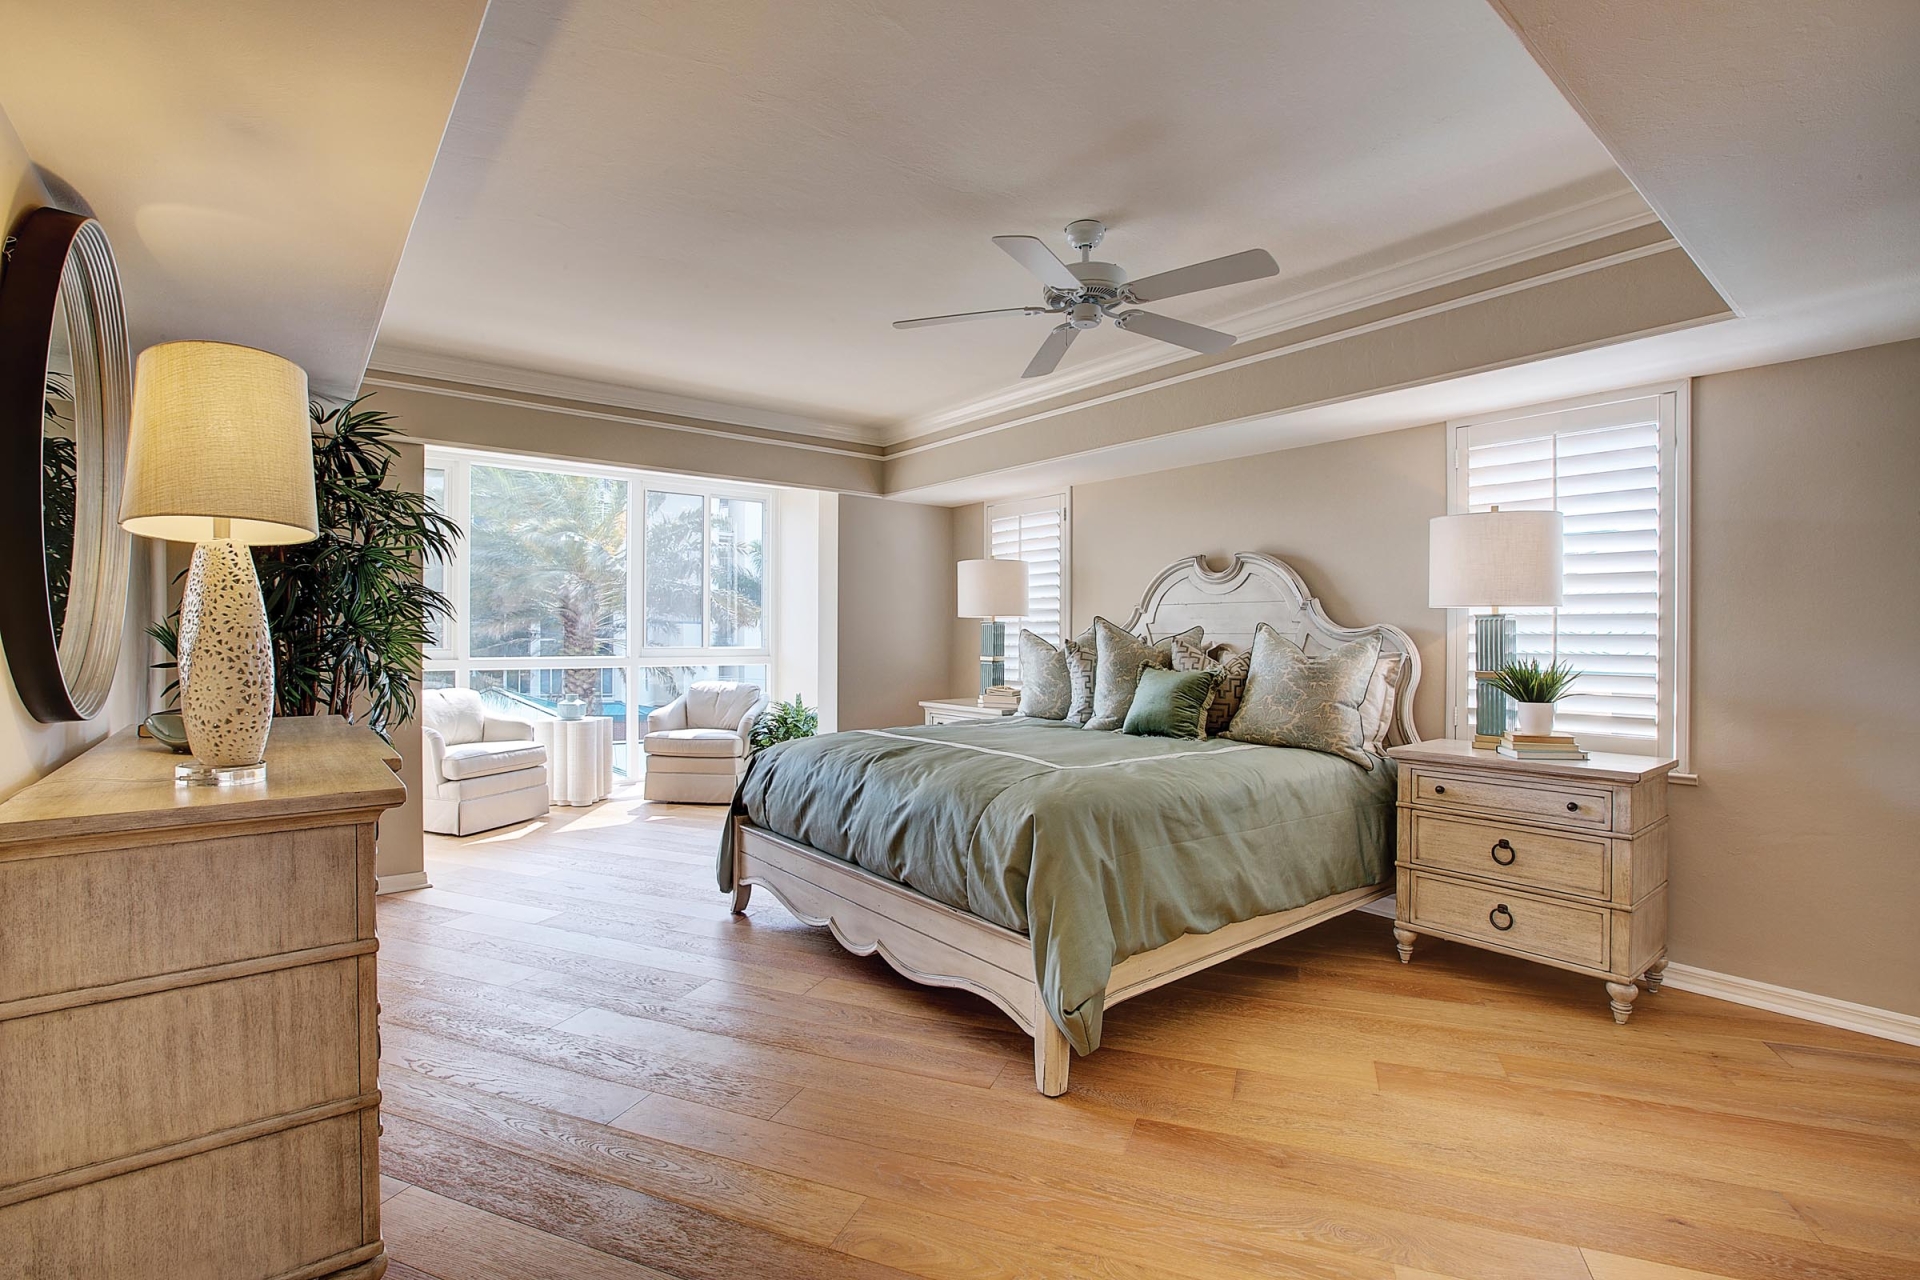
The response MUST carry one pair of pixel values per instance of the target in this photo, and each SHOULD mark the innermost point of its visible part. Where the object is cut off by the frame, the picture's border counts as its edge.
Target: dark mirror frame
(63, 673)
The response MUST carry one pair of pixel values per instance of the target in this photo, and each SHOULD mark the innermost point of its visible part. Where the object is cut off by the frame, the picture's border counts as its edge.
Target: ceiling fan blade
(1235, 268)
(1194, 337)
(1047, 358)
(957, 316)
(1032, 253)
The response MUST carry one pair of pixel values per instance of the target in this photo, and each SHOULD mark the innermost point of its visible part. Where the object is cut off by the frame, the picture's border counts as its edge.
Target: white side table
(955, 710)
(579, 758)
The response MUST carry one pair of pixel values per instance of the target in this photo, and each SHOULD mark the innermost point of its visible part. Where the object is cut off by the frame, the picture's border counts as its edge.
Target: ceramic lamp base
(1496, 640)
(993, 657)
(226, 667)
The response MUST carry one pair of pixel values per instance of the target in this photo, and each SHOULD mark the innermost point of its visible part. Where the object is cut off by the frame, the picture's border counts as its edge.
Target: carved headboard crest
(1229, 603)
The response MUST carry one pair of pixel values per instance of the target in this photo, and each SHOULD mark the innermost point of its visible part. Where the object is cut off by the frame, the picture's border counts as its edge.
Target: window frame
(1061, 500)
(1674, 404)
(458, 658)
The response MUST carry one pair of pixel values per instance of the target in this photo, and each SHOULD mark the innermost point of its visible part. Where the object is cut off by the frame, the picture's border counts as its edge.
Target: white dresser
(954, 710)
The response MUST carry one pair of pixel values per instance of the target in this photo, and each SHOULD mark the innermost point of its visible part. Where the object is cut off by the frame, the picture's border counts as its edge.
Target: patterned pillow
(1383, 693)
(1296, 701)
(1046, 692)
(1117, 673)
(1229, 666)
(1082, 662)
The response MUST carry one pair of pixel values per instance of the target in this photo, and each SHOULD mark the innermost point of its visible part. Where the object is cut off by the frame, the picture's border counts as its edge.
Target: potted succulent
(1534, 689)
(784, 721)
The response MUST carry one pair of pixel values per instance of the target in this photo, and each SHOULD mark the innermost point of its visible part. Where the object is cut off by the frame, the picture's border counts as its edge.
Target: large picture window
(1615, 468)
(563, 568)
(1034, 530)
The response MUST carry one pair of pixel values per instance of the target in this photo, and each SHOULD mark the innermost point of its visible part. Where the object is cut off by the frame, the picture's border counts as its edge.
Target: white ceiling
(733, 202)
(257, 166)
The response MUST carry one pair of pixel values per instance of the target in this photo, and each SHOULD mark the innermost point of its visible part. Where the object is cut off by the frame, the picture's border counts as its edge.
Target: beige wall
(1797, 858)
(896, 610)
(28, 749)
(400, 848)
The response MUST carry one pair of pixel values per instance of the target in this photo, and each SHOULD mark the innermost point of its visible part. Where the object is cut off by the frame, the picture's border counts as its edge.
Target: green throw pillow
(1171, 704)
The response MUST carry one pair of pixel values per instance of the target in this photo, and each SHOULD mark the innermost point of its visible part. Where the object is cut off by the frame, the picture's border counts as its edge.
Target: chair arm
(506, 731)
(671, 716)
(745, 728)
(436, 754)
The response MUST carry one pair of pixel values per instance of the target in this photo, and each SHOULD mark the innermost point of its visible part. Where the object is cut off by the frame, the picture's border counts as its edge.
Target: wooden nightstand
(1564, 862)
(954, 710)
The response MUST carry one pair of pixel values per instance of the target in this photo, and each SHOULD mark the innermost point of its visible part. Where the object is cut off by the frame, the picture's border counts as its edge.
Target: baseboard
(403, 882)
(1882, 1023)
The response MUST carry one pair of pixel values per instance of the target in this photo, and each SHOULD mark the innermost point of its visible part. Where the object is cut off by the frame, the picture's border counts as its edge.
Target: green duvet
(1095, 845)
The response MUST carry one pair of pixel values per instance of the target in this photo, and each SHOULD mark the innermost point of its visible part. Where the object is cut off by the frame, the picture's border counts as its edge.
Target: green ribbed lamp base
(1496, 642)
(993, 656)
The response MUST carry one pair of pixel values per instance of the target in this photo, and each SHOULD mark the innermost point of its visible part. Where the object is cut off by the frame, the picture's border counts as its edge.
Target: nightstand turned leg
(1622, 994)
(1403, 943)
(1656, 974)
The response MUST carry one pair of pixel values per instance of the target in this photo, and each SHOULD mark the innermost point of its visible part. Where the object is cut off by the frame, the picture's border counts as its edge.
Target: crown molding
(393, 358)
(1563, 228)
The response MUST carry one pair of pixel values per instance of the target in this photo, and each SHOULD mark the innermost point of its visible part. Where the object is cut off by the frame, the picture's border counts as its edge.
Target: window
(1035, 531)
(1615, 468)
(562, 566)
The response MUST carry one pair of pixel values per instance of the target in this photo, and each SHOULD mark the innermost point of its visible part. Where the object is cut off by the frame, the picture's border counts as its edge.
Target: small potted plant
(784, 721)
(1535, 689)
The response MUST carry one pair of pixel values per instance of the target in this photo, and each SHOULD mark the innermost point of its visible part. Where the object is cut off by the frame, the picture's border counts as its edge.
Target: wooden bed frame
(940, 946)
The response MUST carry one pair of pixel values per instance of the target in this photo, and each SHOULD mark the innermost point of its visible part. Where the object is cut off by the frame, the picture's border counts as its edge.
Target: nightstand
(954, 710)
(1563, 862)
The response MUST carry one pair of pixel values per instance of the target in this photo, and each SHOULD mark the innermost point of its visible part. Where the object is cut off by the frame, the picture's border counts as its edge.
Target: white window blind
(1612, 469)
(1034, 531)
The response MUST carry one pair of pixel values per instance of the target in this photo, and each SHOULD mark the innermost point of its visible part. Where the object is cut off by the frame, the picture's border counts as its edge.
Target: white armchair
(481, 771)
(697, 745)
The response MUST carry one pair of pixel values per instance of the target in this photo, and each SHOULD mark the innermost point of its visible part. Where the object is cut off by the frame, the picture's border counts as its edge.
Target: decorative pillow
(1171, 704)
(1229, 666)
(1296, 701)
(1082, 662)
(1117, 673)
(1383, 693)
(1046, 692)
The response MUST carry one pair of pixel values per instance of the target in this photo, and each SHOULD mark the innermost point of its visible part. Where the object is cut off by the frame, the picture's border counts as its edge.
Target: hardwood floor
(592, 1071)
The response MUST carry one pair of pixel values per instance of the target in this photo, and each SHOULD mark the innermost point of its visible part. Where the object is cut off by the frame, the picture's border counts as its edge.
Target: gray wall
(897, 606)
(1797, 858)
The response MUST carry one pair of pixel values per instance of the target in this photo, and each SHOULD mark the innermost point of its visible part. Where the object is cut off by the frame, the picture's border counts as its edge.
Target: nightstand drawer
(1518, 921)
(1551, 804)
(1565, 864)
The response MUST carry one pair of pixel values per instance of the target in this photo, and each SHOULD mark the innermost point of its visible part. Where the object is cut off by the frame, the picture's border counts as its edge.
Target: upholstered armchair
(697, 745)
(481, 771)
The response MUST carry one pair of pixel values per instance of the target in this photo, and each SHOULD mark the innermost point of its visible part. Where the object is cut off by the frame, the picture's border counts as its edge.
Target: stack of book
(1546, 746)
(1001, 698)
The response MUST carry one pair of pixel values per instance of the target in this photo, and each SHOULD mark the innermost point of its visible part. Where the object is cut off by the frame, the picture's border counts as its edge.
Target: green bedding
(1095, 845)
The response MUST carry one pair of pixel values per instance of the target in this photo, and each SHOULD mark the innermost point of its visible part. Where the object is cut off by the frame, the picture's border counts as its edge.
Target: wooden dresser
(188, 1050)
(1564, 862)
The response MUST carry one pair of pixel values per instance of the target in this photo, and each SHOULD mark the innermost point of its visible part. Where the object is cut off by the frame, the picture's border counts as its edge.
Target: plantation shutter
(1034, 531)
(1609, 469)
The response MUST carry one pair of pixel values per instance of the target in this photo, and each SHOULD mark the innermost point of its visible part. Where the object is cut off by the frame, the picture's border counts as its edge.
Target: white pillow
(1376, 709)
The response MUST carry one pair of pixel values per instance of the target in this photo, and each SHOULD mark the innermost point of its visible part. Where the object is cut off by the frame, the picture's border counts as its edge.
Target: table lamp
(993, 589)
(1494, 559)
(221, 454)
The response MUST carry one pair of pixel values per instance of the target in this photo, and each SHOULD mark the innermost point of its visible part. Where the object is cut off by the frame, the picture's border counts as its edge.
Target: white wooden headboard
(1254, 588)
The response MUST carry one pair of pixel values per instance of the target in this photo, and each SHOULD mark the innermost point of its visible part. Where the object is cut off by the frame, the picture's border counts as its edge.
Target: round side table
(579, 758)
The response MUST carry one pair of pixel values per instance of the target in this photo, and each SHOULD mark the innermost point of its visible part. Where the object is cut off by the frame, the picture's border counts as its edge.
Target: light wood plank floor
(593, 1072)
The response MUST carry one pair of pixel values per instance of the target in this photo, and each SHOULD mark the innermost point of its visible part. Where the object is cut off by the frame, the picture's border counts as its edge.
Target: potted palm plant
(1534, 689)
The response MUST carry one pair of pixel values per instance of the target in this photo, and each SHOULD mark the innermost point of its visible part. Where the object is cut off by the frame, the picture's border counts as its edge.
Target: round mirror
(65, 392)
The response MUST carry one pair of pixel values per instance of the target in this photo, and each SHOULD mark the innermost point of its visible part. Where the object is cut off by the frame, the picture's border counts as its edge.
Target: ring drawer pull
(1573, 806)
(1493, 917)
(1439, 790)
(1495, 852)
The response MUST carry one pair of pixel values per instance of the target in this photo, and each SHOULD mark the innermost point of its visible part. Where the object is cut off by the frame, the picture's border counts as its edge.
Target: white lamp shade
(219, 432)
(1494, 559)
(993, 588)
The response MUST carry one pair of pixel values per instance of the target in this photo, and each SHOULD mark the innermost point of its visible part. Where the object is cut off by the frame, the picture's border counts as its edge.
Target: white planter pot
(1535, 720)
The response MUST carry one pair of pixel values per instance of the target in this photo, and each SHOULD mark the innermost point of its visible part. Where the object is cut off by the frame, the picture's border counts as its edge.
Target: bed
(1058, 871)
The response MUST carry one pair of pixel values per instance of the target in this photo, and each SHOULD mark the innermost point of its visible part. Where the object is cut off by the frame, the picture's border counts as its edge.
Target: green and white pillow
(1083, 661)
(1296, 701)
(1121, 655)
(1229, 666)
(1046, 690)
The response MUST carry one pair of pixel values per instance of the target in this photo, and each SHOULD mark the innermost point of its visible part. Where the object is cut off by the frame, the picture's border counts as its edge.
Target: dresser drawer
(1516, 921)
(1570, 806)
(1492, 851)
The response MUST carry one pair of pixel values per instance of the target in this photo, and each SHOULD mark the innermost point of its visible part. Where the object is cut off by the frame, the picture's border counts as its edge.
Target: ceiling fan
(1085, 292)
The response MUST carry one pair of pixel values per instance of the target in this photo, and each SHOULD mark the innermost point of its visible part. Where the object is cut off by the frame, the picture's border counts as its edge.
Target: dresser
(955, 710)
(188, 1047)
(1563, 862)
